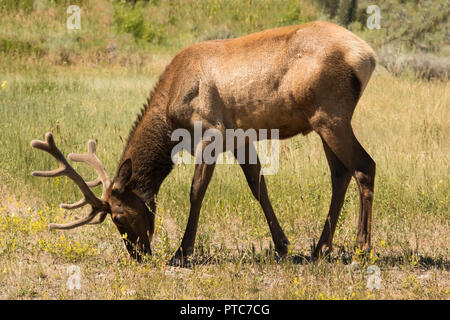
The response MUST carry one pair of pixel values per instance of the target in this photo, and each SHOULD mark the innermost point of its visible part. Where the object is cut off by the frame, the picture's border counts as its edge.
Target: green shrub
(347, 11)
(130, 18)
(293, 15)
(30, 5)
(17, 5)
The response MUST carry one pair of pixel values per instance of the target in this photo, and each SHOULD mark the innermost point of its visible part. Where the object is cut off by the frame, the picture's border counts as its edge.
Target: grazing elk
(296, 79)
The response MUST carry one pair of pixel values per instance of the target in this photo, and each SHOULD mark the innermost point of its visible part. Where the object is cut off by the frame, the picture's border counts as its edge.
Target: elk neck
(149, 147)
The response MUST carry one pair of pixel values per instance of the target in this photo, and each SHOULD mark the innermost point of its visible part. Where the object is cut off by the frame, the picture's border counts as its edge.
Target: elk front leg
(257, 185)
(202, 176)
(340, 178)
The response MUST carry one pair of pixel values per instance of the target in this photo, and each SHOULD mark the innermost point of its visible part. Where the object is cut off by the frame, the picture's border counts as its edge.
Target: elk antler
(65, 169)
(91, 159)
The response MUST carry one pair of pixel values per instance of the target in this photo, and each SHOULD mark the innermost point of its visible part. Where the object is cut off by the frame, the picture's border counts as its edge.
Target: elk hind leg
(342, 142)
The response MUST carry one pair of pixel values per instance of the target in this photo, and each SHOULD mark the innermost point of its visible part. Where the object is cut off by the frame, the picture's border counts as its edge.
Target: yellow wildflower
(4, 85)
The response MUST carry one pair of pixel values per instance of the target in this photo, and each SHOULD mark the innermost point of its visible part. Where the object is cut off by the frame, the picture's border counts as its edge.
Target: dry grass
(95, 91)
(402, 122)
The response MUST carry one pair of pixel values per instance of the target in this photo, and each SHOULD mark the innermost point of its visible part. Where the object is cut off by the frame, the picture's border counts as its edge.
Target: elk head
(128, 211)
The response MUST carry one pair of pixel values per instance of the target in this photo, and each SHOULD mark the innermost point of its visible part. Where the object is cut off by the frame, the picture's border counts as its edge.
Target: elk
(296, 79)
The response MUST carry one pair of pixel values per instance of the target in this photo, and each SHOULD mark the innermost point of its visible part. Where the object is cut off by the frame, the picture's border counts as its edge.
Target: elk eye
(117, 219)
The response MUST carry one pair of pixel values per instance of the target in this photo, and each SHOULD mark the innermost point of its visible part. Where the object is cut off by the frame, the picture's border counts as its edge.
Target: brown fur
(296, 79)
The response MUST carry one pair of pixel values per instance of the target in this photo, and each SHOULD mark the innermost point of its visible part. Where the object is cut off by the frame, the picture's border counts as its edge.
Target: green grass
(403, 122)
(149, 26)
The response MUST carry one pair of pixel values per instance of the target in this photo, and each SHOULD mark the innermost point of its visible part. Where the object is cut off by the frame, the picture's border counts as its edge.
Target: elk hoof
(281, 250)
(180, 262)
(321, 251)
(279, 258)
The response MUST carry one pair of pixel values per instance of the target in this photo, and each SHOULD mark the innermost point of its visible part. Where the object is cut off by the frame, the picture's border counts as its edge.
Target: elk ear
(123, 176)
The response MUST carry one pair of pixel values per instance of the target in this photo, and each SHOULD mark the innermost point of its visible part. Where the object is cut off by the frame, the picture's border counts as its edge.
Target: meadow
(79, 92)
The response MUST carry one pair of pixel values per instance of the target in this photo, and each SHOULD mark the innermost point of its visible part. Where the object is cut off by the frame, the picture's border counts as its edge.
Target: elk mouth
(137, 247)
(137, 250)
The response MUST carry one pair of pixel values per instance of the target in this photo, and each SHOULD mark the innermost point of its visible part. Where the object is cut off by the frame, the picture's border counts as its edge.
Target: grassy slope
(402, 122)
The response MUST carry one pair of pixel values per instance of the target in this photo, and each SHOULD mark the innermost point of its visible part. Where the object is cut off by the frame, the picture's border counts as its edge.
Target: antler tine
(100, 218)
(81, 202)
(49, 146)
(78, 204)
(66, 169)
(91, 158)
(94, 183)
(75, 223)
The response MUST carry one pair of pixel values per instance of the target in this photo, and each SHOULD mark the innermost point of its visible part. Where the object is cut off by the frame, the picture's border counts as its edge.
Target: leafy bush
(343, 12)
(130, 18)
(293, 16)
(16, 5)
(30, 5)
(419, 24)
